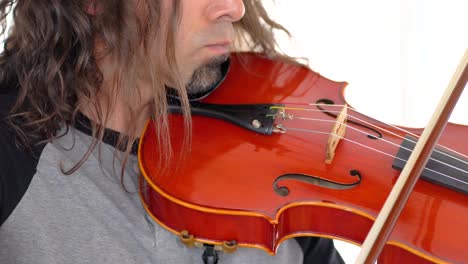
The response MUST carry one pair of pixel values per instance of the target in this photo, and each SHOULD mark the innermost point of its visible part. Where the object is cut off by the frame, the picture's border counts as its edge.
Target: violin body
(224, 189)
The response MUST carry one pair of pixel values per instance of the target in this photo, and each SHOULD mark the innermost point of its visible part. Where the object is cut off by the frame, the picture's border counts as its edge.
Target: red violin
(275, 155)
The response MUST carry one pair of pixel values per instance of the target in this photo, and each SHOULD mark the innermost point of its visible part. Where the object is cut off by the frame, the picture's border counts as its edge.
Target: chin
(207, 75)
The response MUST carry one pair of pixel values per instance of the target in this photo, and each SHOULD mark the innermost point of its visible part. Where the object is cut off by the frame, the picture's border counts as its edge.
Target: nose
(226, 10)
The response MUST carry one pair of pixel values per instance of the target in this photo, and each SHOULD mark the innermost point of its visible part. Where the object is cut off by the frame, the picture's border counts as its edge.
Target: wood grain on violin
(256, 189)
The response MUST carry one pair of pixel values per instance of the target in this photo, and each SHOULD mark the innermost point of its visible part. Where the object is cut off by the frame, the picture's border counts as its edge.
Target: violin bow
(396, 200)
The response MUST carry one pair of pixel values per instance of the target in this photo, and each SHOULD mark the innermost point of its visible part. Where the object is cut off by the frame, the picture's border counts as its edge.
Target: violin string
(370, 148)
(397, 128)
(383, 129)
(445, 154)
(381, 139)
(401, 137)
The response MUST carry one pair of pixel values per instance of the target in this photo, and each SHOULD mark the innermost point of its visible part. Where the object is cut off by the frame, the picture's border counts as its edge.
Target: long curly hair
(50, 55)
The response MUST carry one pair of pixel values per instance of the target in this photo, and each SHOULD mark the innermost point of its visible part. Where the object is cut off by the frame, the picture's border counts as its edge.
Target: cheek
(185, 61)
(192, 24)
(187, 49)
(183, 50)
(189, 37)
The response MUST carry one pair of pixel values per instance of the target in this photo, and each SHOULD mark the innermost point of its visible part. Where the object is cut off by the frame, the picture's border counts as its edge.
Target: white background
(397, 56)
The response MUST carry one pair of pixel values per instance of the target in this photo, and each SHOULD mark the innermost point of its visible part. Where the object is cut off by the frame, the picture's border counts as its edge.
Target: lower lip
(221, 49)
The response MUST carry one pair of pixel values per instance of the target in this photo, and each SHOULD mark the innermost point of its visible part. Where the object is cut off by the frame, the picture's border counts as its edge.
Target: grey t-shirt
(87, 217)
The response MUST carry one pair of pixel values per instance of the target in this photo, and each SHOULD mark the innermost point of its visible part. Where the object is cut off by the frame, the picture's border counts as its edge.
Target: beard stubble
(207, 75)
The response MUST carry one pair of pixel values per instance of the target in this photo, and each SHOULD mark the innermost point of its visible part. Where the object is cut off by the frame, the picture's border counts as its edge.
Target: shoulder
(7, 100)
(17, 165)
(7, 136)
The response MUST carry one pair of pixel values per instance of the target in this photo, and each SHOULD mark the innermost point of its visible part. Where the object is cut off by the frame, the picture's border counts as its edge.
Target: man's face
(204, 38)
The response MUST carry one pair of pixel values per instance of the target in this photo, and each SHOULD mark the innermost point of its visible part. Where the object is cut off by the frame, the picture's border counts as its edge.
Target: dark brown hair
(50, 53)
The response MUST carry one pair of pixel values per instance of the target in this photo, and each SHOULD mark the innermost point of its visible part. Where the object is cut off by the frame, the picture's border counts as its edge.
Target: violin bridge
(337, 133)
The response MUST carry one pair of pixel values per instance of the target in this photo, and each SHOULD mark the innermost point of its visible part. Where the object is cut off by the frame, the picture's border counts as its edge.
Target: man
(79, 79)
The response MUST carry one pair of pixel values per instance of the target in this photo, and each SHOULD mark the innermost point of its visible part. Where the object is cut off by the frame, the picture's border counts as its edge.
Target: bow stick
(383, 225)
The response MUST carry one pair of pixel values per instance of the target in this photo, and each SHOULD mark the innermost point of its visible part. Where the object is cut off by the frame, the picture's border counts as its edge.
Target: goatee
(207, 75)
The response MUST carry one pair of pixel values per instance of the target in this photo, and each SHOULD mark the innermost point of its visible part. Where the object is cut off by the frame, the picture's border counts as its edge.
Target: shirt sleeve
(17, 165)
